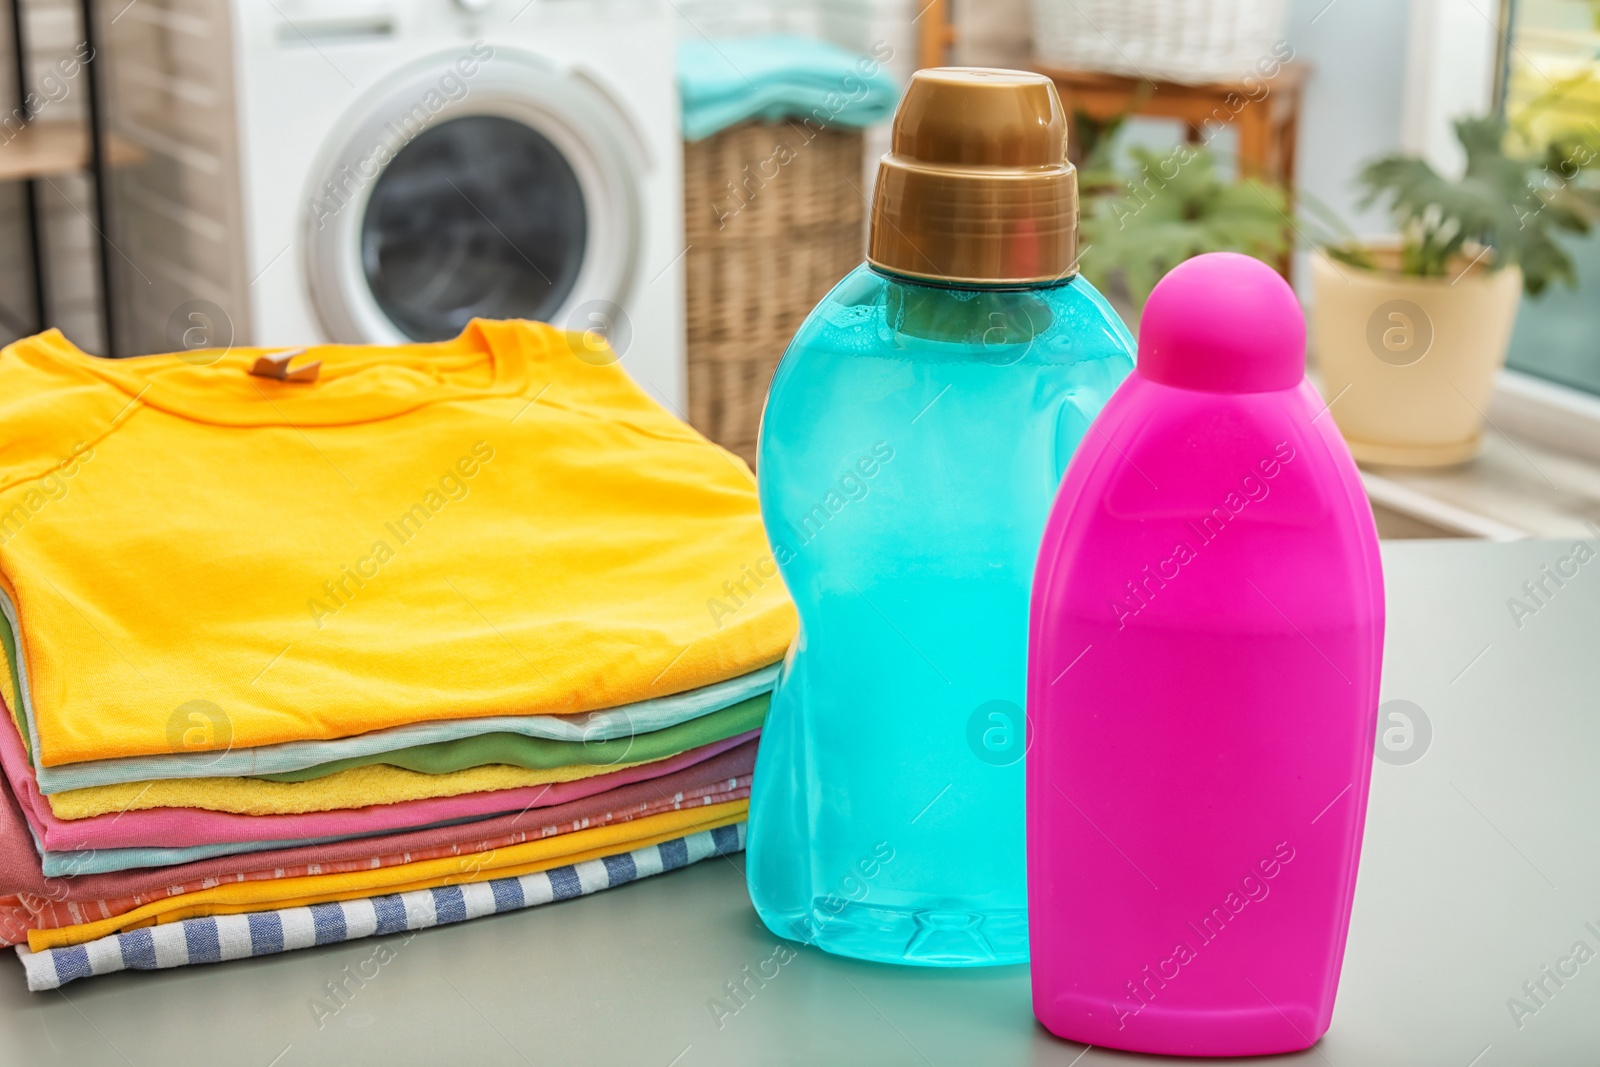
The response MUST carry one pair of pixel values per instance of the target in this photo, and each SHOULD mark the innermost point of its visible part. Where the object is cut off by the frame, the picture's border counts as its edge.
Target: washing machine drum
(513, 196)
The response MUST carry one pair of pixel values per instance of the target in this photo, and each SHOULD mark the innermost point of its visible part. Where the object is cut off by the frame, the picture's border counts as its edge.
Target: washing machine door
(442, 196)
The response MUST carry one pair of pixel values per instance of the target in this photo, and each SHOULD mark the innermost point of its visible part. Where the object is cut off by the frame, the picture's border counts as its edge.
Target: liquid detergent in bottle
(1203, 682)
(912, 442)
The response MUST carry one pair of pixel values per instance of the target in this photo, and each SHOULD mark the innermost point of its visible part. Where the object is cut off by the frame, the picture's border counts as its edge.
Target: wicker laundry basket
(1190, 41)
(774, 217)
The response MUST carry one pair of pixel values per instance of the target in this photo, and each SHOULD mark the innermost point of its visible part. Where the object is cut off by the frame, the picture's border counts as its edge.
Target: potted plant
(1174, 207)
(1409, 332)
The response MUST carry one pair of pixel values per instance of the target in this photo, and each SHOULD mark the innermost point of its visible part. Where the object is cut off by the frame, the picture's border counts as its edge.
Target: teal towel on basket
(725, 82)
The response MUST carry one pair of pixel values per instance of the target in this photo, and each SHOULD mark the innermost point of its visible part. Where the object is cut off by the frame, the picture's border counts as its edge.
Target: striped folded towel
(213, 939)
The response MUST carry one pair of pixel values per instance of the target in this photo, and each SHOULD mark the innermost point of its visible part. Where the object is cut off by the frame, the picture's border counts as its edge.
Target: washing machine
(378, 171)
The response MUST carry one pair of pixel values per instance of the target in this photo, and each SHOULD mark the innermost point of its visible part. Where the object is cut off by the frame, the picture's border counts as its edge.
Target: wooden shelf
(45, 149)
(1265, 111)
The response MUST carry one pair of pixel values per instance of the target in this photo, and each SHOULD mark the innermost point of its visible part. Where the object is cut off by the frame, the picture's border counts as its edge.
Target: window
(1551, 59)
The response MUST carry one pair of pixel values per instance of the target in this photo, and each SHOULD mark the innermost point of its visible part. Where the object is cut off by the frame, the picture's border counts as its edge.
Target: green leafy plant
(1095, 141)
(1505, 208)
(1095, 145)
(1174, 208)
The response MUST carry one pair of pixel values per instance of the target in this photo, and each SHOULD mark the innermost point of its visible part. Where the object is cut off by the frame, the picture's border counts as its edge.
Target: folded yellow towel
(499, 524)
(506, 862)
(378, 783)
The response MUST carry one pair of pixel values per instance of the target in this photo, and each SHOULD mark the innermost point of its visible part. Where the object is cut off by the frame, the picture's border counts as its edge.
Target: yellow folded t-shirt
(358, 787)
(514, 860)
(503, 523)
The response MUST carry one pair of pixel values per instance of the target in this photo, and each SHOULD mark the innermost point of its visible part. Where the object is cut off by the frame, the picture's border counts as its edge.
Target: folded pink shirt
(22, 874)
(185, 827)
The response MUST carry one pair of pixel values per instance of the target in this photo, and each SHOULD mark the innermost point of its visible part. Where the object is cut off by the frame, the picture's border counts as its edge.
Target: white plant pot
(1409, 363)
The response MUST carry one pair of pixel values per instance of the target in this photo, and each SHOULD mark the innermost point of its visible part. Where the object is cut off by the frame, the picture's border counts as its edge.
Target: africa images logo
(1254, 487)
(1253, 887)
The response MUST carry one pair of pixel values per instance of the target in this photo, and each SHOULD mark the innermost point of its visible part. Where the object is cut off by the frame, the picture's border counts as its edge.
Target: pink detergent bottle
(1206, 638)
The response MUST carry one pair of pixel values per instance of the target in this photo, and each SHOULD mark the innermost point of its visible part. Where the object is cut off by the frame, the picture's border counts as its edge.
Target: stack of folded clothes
(423, 633)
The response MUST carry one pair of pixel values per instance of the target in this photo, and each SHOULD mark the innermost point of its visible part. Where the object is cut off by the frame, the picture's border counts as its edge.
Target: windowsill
(1541, 411)
(1538, 475)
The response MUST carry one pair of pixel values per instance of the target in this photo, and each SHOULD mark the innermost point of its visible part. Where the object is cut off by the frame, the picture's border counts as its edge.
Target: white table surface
(1481, 865)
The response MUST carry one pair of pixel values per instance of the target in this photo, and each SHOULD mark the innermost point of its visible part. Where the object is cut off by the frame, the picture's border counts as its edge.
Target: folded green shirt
(443, 757)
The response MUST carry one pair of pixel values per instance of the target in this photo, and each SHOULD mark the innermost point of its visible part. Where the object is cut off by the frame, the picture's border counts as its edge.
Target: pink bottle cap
(1223, 323)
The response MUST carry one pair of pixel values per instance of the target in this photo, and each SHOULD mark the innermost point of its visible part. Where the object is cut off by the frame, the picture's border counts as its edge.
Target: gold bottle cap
(976, 187)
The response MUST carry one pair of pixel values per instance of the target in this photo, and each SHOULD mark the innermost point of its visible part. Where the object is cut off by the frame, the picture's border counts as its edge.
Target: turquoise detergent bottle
(911, 447)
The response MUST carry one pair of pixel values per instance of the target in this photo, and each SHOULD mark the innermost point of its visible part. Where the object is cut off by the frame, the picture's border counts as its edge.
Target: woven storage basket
(767, 239)
(1192, 41)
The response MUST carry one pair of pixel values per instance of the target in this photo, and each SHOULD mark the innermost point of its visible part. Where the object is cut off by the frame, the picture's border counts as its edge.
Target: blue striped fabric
(231, 937)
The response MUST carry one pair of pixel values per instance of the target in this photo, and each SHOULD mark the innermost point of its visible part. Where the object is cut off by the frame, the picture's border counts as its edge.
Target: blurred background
(687, 178)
